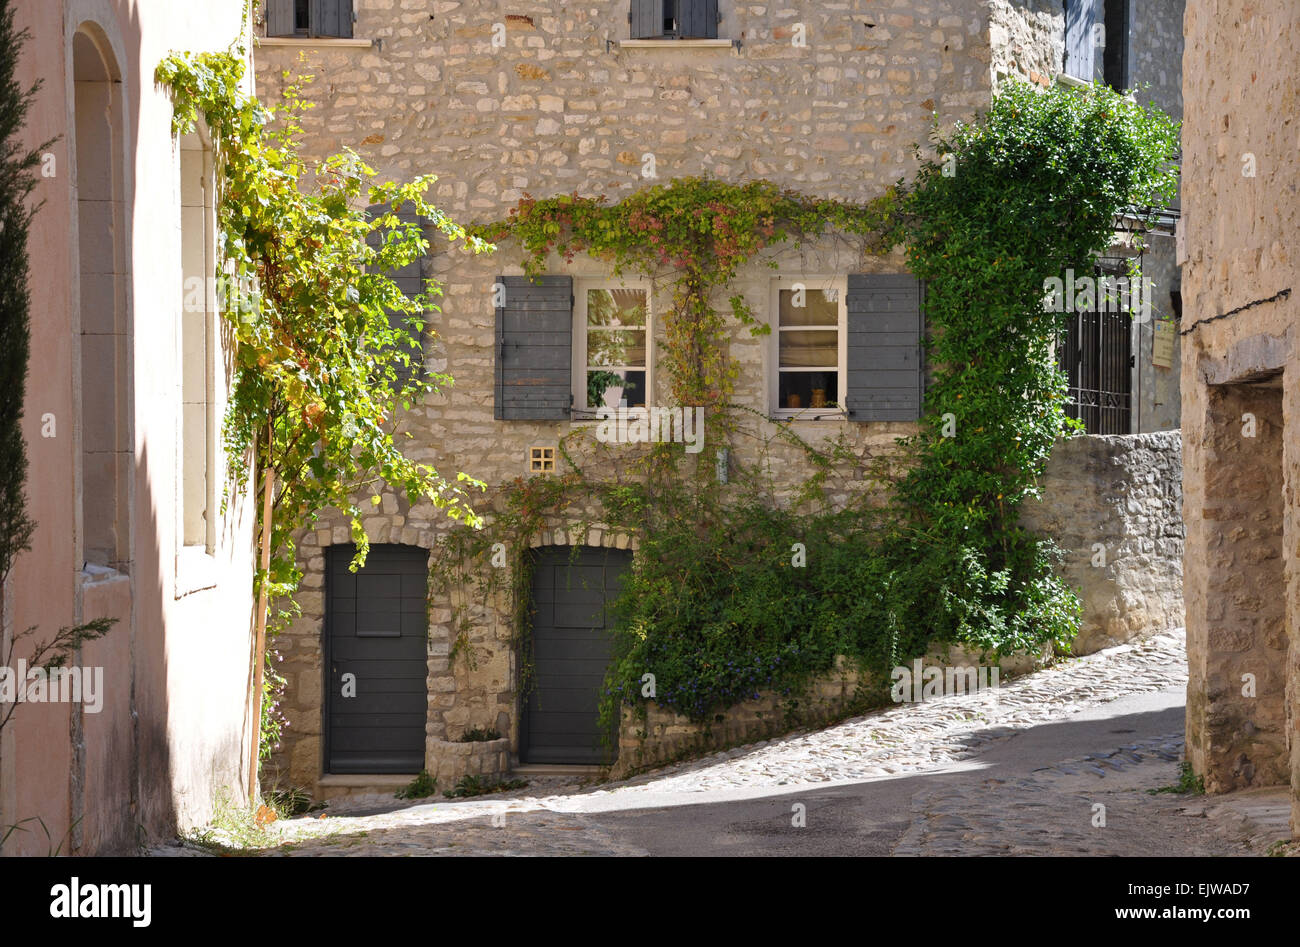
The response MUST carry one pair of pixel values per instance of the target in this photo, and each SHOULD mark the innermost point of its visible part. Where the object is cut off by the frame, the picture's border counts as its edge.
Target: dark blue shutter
(697, 19)
(885, 377)
(534, 359)
(647, 18)
(332, 18)
(279, 17)
(409, 279)
(1080, 46)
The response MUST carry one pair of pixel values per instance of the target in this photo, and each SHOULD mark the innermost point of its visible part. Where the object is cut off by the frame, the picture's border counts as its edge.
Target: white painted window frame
(581, 284)
(787, 281)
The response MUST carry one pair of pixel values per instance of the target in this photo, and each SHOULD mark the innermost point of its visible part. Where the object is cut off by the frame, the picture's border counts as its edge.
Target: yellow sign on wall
(1162, 348)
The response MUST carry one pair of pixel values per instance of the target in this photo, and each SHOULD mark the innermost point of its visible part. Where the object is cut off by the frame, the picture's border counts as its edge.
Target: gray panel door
(571, 651)
(376, 626)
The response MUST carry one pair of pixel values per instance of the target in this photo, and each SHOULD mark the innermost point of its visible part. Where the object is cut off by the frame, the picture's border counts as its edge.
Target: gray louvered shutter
(409, 279)
(1080, 48)
(647, 18)
(534, 359)
(697, 19)
(279, 17)
(885, 325)
(332, 18)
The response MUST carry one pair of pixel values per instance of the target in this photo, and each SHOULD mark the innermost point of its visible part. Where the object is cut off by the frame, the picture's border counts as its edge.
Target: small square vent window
(541, 459)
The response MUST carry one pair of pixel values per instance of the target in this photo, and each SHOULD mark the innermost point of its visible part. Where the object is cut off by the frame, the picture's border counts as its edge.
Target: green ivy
(321, 374)
(714, 605)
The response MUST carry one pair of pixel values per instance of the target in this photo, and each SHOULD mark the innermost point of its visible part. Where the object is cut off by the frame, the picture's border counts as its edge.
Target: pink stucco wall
(173, 732)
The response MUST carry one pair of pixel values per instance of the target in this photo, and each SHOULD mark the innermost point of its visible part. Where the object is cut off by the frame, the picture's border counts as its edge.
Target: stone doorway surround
(1240, 457)
(462, 694)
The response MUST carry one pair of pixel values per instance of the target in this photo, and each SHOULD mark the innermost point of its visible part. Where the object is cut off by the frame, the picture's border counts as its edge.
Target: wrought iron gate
(1095, 352)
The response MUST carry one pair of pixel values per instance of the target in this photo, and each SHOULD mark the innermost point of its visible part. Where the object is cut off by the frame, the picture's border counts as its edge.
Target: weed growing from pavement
(1189, 784)
(421, 787)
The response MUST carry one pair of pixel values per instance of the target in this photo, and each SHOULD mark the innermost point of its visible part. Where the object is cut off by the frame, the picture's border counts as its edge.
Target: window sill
(786, 415)
(675, 43)
(308, 41)
(196, 570)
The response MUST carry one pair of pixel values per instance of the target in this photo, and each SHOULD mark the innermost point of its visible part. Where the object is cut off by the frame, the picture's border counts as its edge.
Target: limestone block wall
(1027, 39)
(661, 735)
(1239, 356)
(1156, 72)
(1114, 506)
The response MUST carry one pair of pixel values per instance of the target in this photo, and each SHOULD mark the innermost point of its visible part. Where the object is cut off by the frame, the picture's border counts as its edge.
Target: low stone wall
(1114, 506)
(664, 735)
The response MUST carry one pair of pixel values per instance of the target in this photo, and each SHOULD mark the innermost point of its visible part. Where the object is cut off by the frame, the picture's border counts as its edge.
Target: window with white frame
(808, 346)
(611, 345)
(198, 343)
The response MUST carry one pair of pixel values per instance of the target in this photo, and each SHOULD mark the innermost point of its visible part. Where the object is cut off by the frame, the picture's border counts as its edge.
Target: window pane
(810, 348)
(821, 307)
(616, 307)
(808, 390)
(301, 16)
(616, 347)
(615, 388)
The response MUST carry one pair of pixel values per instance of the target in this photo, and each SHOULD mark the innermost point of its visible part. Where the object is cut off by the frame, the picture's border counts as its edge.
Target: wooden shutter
(279, 17)
(1080, 48)
(534, 358)
(697, 19)
(409, 279)
(647, 18)
(1116, 59)
(332, 18)
(885, 375)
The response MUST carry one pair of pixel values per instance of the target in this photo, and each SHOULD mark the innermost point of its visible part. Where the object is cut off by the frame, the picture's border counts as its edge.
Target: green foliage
(480, 735)
(1189, 784)
(714, 606)
(1037, 186)
(421, 787)
(481, 786)
(16, 183)
(697, 230)
(320, 372)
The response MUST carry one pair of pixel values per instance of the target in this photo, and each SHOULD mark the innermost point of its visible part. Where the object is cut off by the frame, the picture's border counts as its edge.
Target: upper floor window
(674, 19)
(1097, 41)
(1118, 30)
(611, 346)
(809, 346)
(311, 18)
(198, 343)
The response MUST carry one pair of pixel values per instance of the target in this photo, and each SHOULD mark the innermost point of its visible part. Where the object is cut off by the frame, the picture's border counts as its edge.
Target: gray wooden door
(376, 626)
(571, 651)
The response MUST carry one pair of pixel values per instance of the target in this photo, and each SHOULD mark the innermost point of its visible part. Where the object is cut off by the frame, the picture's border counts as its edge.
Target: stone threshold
(554, 769)
(334, 786)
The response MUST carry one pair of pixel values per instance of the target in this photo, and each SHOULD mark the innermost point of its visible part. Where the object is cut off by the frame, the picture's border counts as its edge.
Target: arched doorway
(103, 385)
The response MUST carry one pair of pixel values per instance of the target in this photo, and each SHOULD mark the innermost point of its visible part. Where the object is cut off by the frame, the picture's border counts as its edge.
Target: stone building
(1241, 326)
(123, 406)
(558, 97)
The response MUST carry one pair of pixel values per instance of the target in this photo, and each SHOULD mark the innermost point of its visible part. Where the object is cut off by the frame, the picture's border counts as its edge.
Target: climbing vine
(698, 231)
(714, 606)
(322, 338)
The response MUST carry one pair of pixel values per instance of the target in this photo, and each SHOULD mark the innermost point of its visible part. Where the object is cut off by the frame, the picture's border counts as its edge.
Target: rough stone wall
(663, 735)
(556, 110)
(1241, 83)
(1157, 51)
(1027, 39)
(1113, 504)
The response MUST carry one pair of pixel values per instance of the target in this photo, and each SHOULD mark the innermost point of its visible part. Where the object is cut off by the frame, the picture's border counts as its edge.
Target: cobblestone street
(987, 773)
